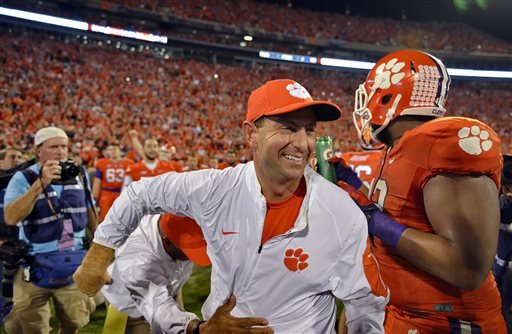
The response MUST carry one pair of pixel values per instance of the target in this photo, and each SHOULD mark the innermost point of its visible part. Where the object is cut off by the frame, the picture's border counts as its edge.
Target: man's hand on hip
(223, 322)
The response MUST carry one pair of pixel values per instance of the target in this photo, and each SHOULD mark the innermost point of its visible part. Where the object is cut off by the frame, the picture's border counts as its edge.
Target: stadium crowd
(331, 26)
(99, 93)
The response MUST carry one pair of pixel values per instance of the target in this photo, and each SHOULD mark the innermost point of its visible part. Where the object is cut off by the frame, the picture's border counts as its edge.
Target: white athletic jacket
(146, 279)
(292, 279)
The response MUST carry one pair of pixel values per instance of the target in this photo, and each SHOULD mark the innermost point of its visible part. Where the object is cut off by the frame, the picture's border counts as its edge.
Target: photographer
(50, 201)
(10, 158)
(503, 261)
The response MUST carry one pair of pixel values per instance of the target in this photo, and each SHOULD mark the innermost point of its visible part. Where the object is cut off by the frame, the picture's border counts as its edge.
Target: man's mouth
(292, 157)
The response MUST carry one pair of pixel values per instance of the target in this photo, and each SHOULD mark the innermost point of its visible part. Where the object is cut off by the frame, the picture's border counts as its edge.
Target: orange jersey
(111, 173)
(365, 164)
(139, 170)
(452, 145)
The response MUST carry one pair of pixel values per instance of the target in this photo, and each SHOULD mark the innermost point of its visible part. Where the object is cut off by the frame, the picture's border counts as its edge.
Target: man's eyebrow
(291, 122)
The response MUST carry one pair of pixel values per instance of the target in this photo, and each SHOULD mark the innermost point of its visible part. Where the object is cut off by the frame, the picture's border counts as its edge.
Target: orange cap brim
(324, 111)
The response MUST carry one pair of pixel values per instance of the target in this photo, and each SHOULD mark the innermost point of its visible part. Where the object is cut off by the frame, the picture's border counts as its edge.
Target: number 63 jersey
(450, 145)
(111, 174)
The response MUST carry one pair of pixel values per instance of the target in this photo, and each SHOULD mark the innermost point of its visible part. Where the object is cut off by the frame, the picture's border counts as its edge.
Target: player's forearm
(20, 208)
(137, 146)
(442, 258)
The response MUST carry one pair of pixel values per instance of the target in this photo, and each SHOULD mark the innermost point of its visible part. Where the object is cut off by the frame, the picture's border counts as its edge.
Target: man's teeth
(291, 157)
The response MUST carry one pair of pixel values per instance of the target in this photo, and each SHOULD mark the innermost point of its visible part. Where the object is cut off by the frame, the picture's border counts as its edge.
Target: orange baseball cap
(187, 236)
(282, 96)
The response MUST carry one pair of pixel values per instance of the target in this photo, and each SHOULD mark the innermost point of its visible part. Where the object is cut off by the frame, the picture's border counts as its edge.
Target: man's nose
(300, 139)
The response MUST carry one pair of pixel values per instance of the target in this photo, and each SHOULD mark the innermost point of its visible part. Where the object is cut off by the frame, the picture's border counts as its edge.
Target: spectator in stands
(109, 177)
(502, 263)
(166, 154)
(231, 159)
(54, 216)
(151, 268)
(265, 224)
(192, 163)
(213, 162)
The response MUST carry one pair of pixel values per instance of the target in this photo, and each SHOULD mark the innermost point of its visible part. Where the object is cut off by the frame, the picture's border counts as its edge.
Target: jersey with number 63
(112, 173)
(451, 145)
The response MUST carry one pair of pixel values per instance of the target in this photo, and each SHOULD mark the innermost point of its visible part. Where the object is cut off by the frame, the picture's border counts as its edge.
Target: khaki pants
(31, 311)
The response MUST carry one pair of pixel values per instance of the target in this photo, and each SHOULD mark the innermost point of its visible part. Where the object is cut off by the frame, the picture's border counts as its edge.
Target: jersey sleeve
(459, 146)
(100, 166)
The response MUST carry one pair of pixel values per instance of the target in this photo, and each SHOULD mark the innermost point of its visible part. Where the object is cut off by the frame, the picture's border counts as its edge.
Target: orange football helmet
(405, 82)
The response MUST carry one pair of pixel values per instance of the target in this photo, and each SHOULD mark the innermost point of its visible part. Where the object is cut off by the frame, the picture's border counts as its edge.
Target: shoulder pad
(456, 145)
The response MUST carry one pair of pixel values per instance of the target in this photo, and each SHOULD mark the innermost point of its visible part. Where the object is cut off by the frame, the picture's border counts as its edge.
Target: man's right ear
(250, 133)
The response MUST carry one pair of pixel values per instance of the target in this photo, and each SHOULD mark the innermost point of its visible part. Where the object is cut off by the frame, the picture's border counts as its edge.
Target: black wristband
(196, 327)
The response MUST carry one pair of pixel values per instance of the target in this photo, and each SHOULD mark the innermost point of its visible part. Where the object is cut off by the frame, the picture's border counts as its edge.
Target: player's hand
(344, 172)
(51, 171)
(223, 322)
(386, 229)
(92, 274)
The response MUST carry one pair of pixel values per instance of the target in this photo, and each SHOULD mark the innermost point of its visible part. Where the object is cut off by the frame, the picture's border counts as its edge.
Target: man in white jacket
(281, 238)
(150, 269)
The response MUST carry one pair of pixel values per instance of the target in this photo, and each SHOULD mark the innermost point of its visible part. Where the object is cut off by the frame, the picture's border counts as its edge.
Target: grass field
(195, 292)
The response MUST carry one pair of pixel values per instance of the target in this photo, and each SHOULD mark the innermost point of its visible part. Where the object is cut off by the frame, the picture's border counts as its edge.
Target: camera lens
(71, 169)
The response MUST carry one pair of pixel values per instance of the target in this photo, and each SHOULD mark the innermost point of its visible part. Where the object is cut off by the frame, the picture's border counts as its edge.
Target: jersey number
(382, 188)
(114, 175)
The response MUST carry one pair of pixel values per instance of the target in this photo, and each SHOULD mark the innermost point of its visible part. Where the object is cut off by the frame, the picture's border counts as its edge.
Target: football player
(439, 185)
(108, 179)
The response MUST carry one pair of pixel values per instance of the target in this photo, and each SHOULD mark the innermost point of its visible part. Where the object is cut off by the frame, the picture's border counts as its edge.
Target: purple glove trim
(386, 229)
(347, 175)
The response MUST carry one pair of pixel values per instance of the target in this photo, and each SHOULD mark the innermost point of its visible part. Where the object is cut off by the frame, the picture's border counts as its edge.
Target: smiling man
(282, 240)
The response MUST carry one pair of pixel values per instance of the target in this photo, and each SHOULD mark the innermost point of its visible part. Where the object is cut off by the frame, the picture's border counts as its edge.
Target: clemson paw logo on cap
(295, 259)
(388, 73)
(474, 140)
(296, 90)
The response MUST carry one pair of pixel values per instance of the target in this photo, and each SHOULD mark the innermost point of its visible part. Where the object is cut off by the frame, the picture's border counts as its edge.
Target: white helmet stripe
(443, 90)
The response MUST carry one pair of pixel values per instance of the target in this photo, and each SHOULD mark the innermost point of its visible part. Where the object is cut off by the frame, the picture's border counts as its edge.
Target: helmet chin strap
(389, 116)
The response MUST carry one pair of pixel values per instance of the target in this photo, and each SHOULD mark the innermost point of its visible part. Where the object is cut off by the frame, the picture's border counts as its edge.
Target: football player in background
(439, 184)
(108, 180)
(150, 165)
(364, 164)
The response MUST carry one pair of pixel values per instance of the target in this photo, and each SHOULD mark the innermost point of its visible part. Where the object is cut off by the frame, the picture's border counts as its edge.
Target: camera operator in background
(10, 158)
(51, 203)
(503, 261)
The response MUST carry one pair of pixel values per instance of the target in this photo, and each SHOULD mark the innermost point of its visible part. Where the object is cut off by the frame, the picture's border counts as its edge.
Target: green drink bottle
(323, 153)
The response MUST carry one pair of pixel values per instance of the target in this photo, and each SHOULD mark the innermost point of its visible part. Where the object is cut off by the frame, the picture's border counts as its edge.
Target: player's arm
(96, 186)
(136, 144)
(464, 212)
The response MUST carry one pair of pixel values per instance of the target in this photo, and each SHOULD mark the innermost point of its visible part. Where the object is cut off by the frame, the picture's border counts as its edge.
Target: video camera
(6, 175)
(68, 174)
